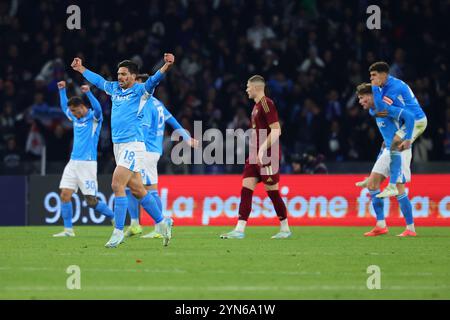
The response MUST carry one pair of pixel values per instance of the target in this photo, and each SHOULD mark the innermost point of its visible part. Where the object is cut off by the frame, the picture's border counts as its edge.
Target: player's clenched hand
(193, 143)
(169, 58)
(61, 84)
(375, 82)
(85, 88)
(406, 144)
(77, 65)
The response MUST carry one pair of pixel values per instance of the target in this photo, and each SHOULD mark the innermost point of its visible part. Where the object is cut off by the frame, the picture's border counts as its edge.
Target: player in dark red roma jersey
(263, 162)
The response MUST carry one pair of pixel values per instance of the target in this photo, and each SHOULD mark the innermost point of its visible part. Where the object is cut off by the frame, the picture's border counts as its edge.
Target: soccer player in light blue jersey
(388, 124)
(392, 91)
(128, 98)
(154, 120)
(81, 171)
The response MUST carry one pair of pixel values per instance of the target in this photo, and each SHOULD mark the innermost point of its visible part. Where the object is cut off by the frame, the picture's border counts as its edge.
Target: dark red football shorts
(264, 174)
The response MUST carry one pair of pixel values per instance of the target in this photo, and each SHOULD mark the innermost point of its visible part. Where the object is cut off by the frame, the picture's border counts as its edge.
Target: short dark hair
(257, 78)
(130, 65)
(75, 102)
(142, 76)
(379, 66)
(364, 88)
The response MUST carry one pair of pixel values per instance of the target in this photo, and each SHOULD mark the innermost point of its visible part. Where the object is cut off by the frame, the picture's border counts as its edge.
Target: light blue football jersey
(154, 122)
(127, 105)
(86, 130)
(398, 93)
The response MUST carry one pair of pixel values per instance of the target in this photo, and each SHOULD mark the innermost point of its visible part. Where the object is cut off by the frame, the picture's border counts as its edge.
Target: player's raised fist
(61, 84)
(85, 88)
(77, 65)
(169, 58)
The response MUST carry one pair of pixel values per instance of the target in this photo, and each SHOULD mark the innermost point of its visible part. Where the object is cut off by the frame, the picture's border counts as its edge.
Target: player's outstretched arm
(153, 81)
(93, 100)
(94, 78)
(63, 96)
(176, 126)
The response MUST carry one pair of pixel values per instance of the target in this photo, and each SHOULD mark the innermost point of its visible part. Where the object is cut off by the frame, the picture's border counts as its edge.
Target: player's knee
(65, 196)
(138, 193)
(249, 184)
(271, 187)
(117, 187)
(91, 201)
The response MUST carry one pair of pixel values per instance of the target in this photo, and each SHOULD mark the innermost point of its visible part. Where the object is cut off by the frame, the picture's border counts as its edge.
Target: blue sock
(120, 211)
(151, 206)
(378, 204)
(103, 209)
(395, 166)
(133, 205)
(406, 207)
(155, 195)
(67, 213)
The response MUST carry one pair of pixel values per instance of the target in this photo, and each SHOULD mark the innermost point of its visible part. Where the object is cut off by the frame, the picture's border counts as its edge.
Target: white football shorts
(130, 155)
(149, 171)
(382, 165)
(80, 174)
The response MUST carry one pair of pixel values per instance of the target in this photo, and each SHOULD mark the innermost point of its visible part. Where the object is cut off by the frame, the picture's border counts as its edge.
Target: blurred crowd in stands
(311, 53)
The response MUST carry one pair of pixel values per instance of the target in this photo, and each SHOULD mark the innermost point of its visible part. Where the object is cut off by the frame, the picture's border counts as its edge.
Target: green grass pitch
(316, 263)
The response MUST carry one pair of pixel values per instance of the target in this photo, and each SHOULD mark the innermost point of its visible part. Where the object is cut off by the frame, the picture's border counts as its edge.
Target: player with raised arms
(154, 120)
(81, 171)
(128, 98)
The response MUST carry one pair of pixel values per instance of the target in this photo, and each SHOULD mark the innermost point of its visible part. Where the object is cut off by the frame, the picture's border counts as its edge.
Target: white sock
(284, 226)
(117, 231)
(68, 229)
(410, 227)
(381, 223)
(134, 222)
(241, 225)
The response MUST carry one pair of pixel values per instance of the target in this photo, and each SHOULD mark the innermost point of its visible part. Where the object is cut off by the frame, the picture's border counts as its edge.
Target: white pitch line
(216, 271)
(226, 288)
(32, 269)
